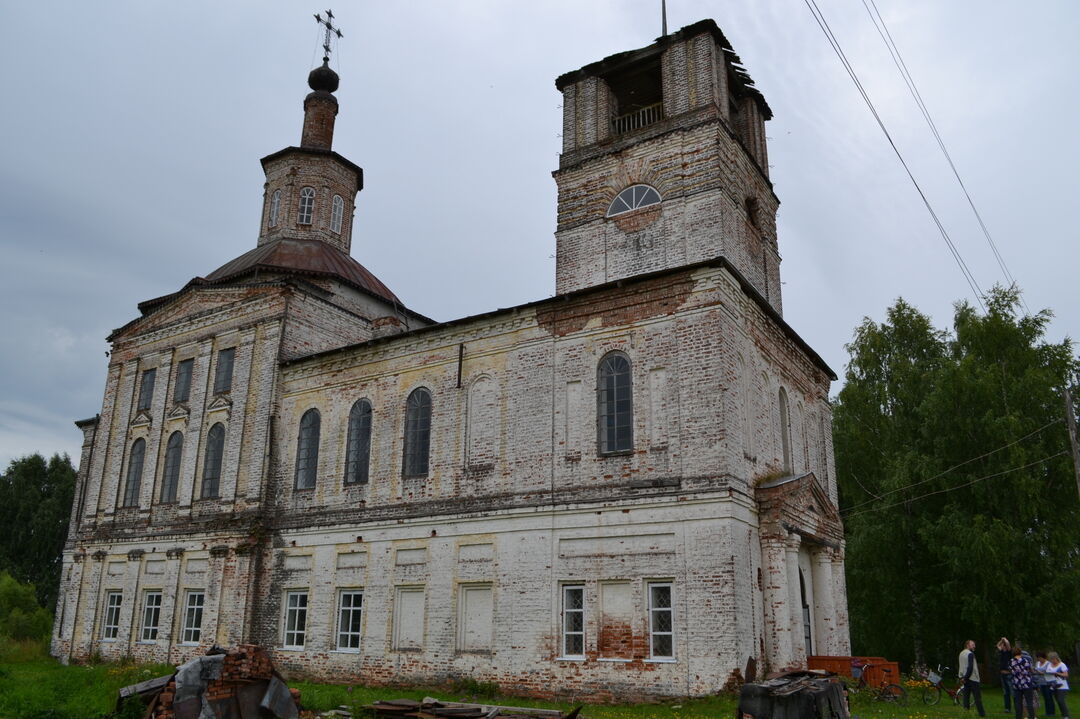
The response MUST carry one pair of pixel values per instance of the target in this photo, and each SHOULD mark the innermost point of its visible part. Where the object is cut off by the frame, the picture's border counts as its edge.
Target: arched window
(632, 198)
(307, 450)
(337, 212)
(358, 443)
(275, 208)
(174, 450)
(614, 404)
(785, 431)
(134, 473)
(307, 206)
(215, 448)
(414, 462)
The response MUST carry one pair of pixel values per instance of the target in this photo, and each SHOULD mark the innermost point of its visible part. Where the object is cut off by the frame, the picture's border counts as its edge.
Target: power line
(946, 471)
(824, 25)
(962, 486)
(898, 60)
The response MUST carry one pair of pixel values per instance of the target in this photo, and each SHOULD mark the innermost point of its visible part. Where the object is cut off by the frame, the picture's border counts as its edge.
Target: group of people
(1021, 676)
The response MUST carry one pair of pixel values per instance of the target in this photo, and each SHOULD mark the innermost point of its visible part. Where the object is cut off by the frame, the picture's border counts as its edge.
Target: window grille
(358, 445)
(307, 450)
(573, 621)
(417, 433)
(134, 473)
(661, 622)
(215, 448)
(174, 451)
(307, 206)
(614, 404)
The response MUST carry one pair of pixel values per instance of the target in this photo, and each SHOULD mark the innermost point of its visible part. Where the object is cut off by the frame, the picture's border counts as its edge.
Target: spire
(320, 106)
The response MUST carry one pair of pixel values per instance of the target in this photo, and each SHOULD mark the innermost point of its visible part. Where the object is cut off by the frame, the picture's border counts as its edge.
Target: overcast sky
(131, 135)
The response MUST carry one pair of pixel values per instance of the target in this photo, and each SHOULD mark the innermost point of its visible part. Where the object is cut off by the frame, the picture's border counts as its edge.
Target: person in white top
(1042, 685)
(1057, 675)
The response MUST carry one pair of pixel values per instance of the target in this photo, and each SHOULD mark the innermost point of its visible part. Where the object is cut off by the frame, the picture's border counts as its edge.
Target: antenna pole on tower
(663, 18)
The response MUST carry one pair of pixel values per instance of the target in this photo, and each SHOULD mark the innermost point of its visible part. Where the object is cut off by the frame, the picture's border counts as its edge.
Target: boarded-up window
(409, 618)
(475, 617)
(616, 617)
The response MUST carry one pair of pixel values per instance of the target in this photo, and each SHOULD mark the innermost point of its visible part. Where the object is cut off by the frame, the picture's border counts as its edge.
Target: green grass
(34, 686)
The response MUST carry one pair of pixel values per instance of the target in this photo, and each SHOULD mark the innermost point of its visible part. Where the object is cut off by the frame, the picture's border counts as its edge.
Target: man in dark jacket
(1004, 657)
(969, 674)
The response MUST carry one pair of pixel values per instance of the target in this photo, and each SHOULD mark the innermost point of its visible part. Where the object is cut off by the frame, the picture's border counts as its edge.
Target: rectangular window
(151, 616)
(110, 624)
(573, 621)
(475, 618)
(146, 390)
(350, 604)
(661, 622)
(223, 371)
(182, 391)
(409, 618)
(296, 604)
(191, 632)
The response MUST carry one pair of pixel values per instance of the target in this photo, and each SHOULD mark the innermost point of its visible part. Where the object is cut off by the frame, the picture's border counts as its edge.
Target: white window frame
(110, 621)
(194, 606)
(306, 213)
(337, 213)
(347, 639)
(151, 616)
(653, 611)
(275, 208)
(293, 611)
(564, 634)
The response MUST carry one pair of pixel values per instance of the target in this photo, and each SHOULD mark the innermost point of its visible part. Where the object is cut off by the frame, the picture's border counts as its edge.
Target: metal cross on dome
(328, 22)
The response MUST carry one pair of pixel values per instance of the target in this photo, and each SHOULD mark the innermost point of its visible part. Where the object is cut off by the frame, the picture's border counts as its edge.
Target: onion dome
(323, 78)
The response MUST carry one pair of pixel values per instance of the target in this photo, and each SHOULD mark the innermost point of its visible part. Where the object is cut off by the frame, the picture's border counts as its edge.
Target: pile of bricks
(247, 664)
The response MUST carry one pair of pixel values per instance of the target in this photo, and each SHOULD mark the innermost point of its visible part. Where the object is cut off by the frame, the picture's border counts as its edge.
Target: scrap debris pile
(795, 695)
(238, 684)
(434, 709)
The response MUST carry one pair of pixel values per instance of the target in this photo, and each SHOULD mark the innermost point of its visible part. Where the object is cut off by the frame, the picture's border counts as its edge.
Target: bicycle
(932, 694)
(886, 691)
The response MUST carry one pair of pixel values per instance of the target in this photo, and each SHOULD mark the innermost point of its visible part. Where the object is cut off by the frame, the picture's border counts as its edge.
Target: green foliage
(959, 503)
(20, 615)
(44, 688)
(35, 507)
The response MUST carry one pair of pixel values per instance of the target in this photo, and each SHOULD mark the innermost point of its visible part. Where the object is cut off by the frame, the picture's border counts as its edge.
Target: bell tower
(311, 190)
(664, 165)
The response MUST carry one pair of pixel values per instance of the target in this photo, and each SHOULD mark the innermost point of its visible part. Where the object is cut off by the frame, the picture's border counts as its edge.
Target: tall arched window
(215, 449)
(614, 404)
(337, 212)
(275, 208)
(358, 443)
(785, 431)
(307, 450)
(307, 206)
(134, 473)
(414, 462)
(174, 450)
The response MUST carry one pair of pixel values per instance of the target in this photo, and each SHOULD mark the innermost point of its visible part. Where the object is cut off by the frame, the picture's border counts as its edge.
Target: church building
(626, 489)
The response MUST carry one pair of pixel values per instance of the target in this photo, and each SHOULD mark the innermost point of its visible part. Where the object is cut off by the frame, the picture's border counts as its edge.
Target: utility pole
(1070, 420)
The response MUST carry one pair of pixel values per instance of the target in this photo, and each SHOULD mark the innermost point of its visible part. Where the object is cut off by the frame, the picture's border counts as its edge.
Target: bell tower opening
(638, 96)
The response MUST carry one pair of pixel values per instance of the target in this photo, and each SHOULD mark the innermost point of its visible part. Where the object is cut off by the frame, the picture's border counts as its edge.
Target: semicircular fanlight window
(632, 198)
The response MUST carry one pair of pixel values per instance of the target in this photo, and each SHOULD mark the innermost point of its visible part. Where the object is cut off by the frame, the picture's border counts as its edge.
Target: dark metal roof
(304, 257)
